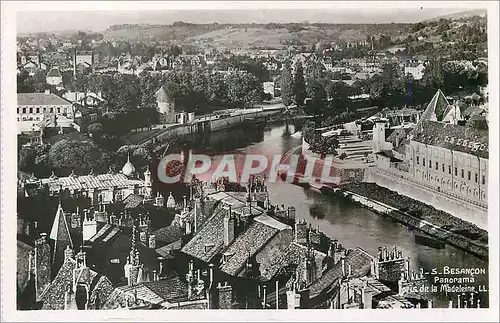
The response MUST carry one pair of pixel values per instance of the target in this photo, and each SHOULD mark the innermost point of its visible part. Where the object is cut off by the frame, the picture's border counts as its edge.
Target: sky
(46, 21)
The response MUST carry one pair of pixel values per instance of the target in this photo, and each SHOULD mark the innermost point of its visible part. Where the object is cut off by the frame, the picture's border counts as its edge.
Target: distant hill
(244, 36)
(460, 15)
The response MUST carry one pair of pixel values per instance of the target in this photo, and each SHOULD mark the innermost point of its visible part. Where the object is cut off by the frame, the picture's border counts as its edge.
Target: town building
(440, 155)
(415, 69)
(33, 108)
(54, 77)
(101, 189)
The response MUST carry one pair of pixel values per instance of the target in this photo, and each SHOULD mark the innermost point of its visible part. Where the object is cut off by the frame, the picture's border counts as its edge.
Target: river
(351, 224)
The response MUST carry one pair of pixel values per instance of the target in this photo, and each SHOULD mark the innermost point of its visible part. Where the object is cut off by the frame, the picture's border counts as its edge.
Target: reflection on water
(351, 224)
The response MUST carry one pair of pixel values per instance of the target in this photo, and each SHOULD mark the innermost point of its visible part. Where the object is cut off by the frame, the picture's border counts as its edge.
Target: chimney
(143, 236)
(152, 242)
(211, 274)
(160, 261)
(342, 264)
(366, 298)
(228, 228)
(225, 296)
(265, 296)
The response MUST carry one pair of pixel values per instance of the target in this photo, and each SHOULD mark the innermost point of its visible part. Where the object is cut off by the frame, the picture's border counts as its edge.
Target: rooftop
(210, 238)
(254, 238)
(360, 262)
(454, 137)
(40, 99)
(90, 181)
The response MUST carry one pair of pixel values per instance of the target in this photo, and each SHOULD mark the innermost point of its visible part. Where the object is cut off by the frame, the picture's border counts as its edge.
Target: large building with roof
(39, 110)
(443, 156)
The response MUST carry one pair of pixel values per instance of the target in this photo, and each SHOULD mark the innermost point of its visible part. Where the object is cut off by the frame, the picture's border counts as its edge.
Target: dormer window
(466, 142)
(208, 247)
(459, 142)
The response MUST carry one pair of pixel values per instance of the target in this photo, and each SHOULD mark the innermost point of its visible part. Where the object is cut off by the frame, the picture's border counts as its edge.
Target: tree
(317, 93)
(299, 84)
(95, 130)
(76, 155)
(286, 84)
(26, 158)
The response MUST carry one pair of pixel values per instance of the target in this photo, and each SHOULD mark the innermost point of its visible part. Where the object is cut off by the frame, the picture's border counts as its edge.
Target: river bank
(418, 216)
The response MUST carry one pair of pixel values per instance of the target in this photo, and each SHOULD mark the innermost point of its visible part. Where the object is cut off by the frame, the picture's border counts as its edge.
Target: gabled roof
(248, 243)
(454, 137)
(360, 262)
(90, 181)
(153, 293)
(210, 238)
(168, 234)
(132, 201)
(40, 99)
(53, 296)
(293, 257)
(54, 72)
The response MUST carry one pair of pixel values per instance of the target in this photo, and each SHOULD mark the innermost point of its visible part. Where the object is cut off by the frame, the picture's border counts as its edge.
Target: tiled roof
(166, 250)
(360, 262)
(211, 235)
(168, 234)
(132, 201)
(40, 99)
(271, 222)
(23, 251)
(100, 181)
(256, 236)
(153, 292)
(53, 297)
(235, 199)
(398, 132)
(454, 137)
(54, 72)
(296, 253)
(105, 234)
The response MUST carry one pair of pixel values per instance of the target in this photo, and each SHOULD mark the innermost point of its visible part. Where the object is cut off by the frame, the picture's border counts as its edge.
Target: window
(468, 175)
(462, 173)
(31, 110)
(51, 110)
(456, 172)
(423, 161)
(418, 158)
(37, 110)
(17, 110)
(476, 177)
(58, 110)
(442, 168)
(484, 179)
(430, 163)
(449, 169)
(437, 165)
(24, 110)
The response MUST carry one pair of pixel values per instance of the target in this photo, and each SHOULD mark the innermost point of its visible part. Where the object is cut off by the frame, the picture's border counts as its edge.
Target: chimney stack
(152, 242)
(228, 227)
